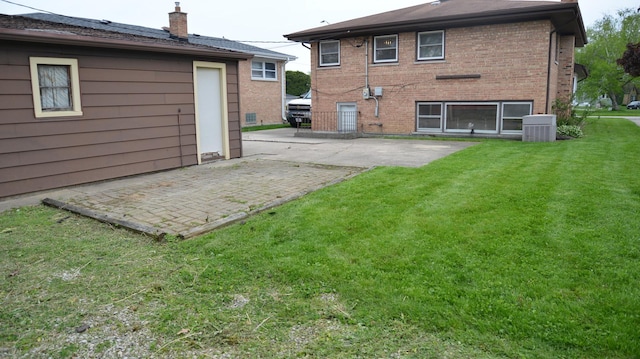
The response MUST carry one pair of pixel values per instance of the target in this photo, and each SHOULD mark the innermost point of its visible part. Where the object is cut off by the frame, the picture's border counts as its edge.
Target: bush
(565, 114)
(570, 131)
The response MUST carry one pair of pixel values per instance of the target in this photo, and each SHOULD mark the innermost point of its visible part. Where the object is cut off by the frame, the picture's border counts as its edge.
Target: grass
(505, 249)
(622, 112)
(264, 127)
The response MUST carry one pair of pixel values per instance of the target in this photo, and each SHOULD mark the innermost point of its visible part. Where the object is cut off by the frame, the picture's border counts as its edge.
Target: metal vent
(250, 117)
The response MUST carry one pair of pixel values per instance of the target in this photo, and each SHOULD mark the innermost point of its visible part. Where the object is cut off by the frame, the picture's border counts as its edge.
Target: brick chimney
(178, 24)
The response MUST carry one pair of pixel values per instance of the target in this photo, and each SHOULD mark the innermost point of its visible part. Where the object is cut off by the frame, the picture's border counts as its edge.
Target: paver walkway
(194, 200)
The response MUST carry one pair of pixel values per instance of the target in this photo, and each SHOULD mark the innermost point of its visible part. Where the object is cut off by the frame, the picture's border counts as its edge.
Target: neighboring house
(79, 104)
(262, 79)
(447, 67)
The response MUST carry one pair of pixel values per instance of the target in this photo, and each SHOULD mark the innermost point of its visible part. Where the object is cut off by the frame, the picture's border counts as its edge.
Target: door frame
(339, 123)
(223, 106)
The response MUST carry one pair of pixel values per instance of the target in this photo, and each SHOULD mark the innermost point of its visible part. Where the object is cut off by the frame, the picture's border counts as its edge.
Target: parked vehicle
(633, 105)
(299, 111)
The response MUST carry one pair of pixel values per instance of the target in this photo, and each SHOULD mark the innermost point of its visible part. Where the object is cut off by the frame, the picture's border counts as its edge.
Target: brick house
(454, 67)
(262, 79)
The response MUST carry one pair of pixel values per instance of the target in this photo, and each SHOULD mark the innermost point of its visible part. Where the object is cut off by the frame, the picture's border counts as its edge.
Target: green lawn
(607, 113)
(503, 250)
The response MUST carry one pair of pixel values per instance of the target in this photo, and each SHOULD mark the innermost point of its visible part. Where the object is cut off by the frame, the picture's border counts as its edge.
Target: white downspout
(283, 95)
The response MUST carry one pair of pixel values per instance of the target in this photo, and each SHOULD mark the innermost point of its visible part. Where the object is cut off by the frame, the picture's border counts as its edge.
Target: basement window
(512, 114)
(55, 86)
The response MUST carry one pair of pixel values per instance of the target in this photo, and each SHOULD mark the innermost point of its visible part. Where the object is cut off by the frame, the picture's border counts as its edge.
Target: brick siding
(262, 97)
(511, 59)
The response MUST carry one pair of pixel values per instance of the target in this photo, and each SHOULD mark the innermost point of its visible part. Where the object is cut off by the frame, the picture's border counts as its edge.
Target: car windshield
(307, 95)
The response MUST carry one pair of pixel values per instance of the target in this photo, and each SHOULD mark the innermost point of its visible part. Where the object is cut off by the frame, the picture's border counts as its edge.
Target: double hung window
(385, 48)
(431, 45)
(329, 53)
(263, 70)
(55, 86)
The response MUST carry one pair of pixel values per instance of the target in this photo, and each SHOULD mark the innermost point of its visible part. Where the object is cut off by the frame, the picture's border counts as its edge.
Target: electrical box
(365, 93)
(377, 92)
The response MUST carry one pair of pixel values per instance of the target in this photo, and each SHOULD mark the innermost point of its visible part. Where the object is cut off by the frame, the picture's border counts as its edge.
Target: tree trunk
(614, 101)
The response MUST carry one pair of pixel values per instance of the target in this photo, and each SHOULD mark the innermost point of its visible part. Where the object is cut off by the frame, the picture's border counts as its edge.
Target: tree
(630, 60)
(298, 82)
(607, 42)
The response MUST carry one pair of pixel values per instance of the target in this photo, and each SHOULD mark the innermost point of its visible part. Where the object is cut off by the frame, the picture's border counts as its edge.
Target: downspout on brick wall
(178, 24)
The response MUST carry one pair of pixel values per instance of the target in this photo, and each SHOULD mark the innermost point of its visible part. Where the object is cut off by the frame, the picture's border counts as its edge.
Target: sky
(262, 22)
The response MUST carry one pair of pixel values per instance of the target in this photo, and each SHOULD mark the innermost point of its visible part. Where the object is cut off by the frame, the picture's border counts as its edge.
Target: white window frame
(76, 108)
(320, 53)
(264, 70)
(502, 117)
(441, 117)
(375, 49)
(419, 45)
(465, 130)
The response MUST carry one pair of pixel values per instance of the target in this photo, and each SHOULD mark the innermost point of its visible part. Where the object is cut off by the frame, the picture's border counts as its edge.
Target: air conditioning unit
(539, 128)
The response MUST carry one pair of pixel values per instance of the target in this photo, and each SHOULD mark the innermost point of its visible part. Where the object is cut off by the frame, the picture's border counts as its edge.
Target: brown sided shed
(79, 105)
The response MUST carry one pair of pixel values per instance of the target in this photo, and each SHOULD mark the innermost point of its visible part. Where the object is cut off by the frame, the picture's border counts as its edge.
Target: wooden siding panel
(12, 102)
(24, 158)
(140, 62)
(131, 102)
(15, 87)
(90, 175)
(83, 139)
(93, 87)
(76, 165)
(13, 72)
(37, 128)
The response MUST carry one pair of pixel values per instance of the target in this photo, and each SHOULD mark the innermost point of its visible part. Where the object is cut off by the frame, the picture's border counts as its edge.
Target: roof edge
(77, 40)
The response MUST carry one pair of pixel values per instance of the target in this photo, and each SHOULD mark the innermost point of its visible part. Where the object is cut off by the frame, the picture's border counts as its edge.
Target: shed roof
(20, 28)
(107, 25)
(444, 14)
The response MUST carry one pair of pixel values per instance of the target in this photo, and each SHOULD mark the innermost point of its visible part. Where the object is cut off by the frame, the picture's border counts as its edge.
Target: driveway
(277, 167)
(282, 145)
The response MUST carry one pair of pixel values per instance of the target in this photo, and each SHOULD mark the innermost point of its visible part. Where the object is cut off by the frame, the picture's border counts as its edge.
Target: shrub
(565, 114)
(570, 131)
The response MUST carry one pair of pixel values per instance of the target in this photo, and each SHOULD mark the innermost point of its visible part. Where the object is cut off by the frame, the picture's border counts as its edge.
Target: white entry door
(347, 117)
(211, 111)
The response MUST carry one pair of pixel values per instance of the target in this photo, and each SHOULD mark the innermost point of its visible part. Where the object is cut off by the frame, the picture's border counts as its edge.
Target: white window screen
(330, 53)
(431, 45)
(55, 87)
(386, 48)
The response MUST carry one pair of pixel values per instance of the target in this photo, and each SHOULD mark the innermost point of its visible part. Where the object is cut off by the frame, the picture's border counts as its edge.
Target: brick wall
(566, 62)
(511, 59)
(262, 97)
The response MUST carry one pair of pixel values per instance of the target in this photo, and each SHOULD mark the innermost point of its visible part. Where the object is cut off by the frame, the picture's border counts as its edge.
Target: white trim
(418, 46)
(375, 48)
(502, 130)
(223, 106)
(75, 86)
(430, 129)
(264, 70)
(320, 63)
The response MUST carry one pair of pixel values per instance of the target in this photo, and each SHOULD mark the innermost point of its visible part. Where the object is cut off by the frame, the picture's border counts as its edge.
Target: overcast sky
(253, 20)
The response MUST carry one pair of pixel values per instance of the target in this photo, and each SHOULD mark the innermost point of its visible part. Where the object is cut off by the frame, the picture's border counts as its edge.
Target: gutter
(496, 17)
(76, 40)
